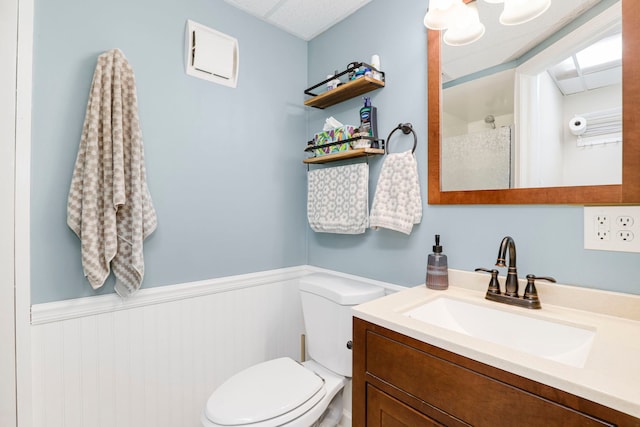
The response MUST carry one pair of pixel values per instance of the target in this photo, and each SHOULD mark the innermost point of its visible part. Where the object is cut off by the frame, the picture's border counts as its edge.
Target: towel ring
(406, 128)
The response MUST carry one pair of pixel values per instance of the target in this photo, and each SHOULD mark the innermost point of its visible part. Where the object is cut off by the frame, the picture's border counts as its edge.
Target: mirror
(494, 133)
(626, 192)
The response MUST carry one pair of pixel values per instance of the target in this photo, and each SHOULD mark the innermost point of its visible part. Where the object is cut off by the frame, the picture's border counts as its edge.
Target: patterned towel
(397, 204)
(338, 199)
(109, 205)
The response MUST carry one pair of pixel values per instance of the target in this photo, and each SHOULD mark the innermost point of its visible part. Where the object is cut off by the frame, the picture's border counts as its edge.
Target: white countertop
(611, 374)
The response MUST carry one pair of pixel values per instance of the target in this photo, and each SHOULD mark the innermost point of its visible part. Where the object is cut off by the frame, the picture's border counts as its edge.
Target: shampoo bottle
(437, 269)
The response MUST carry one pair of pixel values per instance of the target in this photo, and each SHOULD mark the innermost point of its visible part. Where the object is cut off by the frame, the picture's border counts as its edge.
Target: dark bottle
(369, 119)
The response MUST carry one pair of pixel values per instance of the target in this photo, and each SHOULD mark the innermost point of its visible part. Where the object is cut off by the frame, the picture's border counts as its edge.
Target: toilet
(283, 392)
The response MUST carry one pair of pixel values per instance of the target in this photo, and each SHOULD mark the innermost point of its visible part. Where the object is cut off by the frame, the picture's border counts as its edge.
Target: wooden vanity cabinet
(400, 381)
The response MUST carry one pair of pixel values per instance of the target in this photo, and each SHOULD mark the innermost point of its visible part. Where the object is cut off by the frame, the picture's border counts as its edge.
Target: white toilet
(283, 392)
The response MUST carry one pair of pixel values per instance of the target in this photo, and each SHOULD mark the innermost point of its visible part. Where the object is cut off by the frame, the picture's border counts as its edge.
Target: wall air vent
(211, 55)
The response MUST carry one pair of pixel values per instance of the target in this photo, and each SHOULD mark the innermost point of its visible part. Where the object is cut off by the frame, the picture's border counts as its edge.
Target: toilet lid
(264, 391)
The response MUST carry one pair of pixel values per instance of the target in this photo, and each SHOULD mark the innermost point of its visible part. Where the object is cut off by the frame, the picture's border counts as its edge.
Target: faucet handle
(494, 285)
(530, 291)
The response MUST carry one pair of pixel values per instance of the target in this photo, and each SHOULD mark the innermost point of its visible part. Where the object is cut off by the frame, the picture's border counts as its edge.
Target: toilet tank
(326, 305)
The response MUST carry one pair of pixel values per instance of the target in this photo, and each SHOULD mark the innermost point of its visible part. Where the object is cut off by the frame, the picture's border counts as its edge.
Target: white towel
(397, 204)
(109, 205)
(338, 199)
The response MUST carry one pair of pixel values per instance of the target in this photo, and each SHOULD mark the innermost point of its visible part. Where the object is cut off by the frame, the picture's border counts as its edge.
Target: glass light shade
(466, 28)
(520, 11)
(441, 13)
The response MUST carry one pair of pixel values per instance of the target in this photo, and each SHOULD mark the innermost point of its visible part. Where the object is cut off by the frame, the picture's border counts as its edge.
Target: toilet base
(333, 414)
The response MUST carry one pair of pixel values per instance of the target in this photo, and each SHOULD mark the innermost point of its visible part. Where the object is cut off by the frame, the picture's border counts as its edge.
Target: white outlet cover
(612, 228)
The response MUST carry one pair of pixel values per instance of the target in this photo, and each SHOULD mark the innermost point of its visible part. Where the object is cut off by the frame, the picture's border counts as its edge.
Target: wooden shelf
(350, 154)
(343, 92)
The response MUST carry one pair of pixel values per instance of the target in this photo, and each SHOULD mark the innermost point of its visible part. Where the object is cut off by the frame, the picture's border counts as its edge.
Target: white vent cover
(212, 55)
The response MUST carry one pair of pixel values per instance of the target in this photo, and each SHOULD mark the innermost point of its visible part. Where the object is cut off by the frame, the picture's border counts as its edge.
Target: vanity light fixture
(462, 21)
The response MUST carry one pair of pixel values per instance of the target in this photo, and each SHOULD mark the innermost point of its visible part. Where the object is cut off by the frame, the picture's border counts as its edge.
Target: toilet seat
(267, 394)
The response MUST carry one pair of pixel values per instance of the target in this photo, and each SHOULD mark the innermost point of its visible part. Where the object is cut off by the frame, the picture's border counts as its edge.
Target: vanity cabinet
(400, 381)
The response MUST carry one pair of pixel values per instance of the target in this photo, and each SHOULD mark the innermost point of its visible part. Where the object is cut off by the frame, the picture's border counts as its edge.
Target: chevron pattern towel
(396, 203)
(109, 205)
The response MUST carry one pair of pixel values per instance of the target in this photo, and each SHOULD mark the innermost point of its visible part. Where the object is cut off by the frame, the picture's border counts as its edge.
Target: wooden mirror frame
(626, 193)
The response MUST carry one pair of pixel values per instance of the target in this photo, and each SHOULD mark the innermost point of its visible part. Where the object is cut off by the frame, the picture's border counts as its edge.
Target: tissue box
(338, 134)
(343, 132)
(322, 138)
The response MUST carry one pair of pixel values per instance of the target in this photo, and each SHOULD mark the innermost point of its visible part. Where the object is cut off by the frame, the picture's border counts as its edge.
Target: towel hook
(406, 129)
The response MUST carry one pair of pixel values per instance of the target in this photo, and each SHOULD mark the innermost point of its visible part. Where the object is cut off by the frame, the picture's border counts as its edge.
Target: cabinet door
(385, 411)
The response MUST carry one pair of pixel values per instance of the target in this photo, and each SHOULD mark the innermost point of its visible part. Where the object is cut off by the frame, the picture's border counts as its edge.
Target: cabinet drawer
(470, 396)
(385, 411)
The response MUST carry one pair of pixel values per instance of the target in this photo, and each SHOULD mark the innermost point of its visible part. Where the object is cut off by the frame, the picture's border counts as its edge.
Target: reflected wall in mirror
(484, 145)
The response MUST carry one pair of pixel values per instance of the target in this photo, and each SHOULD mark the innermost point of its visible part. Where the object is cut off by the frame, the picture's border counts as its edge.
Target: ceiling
(304, 19)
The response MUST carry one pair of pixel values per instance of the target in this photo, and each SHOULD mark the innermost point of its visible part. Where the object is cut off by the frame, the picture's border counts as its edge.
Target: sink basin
(548, 339)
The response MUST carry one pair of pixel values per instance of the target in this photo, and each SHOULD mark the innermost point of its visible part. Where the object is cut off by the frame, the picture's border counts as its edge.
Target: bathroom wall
(223, 165)
(99, 363)
(549, 238)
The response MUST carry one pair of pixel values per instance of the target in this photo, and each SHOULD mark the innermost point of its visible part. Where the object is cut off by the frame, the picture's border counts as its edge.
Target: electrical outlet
(602, 227)
(602, 221)
(624, 222)
(624, 235)
(612, 228)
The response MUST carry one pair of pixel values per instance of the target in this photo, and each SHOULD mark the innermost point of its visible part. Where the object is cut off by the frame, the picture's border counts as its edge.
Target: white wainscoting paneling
(156, 363)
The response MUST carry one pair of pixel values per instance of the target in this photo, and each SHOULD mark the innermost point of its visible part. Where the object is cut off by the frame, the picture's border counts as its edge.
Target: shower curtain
(477, 161)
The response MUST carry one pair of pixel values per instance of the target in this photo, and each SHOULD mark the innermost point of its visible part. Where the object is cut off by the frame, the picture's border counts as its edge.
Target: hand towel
(396, 203)
(109, 206)
(338, 199)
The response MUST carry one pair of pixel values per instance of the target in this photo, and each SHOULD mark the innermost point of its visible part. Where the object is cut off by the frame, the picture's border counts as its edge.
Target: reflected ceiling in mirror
(502, 44)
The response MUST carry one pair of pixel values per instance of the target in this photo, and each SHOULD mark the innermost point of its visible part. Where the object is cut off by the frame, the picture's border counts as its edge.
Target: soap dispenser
(437, 269)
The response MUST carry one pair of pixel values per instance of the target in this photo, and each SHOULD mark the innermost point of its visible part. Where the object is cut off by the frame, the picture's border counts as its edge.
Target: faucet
(530, 298)
(511, 285)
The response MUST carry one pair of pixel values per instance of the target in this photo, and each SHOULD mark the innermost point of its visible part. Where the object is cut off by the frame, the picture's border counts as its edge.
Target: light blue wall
(224, 165)
(549, 238)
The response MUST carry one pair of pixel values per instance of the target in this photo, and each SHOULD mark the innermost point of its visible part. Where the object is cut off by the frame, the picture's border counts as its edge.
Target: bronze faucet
(530, 298)
(511, 285)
